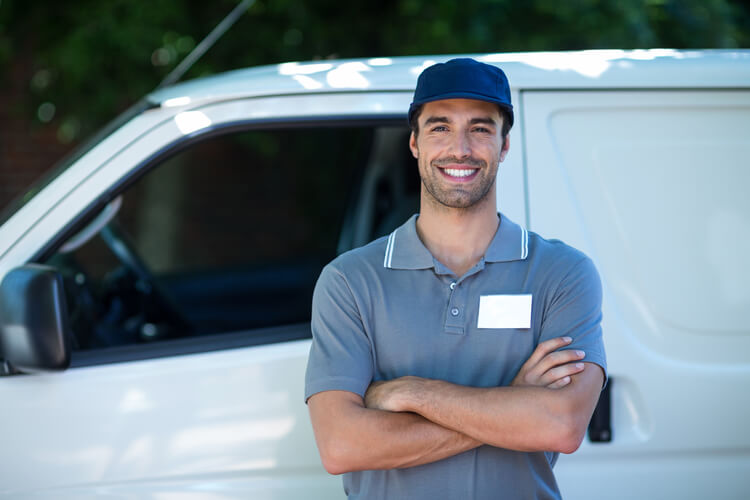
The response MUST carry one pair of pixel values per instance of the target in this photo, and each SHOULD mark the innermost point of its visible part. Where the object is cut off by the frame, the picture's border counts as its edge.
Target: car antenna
(206, 43)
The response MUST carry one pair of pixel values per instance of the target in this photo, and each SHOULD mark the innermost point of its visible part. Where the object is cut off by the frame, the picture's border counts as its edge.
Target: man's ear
(413, 145)
(506, 146)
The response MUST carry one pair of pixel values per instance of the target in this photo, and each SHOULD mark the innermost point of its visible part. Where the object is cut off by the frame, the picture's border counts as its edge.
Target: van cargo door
(653, 185)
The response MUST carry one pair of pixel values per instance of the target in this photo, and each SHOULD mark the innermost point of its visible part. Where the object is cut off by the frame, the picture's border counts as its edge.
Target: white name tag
(504, 311)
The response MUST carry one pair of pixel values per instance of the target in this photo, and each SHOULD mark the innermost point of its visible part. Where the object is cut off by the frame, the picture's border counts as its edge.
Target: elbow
(333, 466)
(334, 459)
(336, 418)
(569, 442)
(569, 435)
(570, 413)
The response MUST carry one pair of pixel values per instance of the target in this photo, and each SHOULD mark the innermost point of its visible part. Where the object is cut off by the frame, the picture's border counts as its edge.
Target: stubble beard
(441, 195)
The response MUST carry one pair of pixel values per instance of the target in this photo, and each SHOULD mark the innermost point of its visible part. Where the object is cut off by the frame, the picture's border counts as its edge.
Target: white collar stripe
(387, 247)
(526, 243)
(389, 251)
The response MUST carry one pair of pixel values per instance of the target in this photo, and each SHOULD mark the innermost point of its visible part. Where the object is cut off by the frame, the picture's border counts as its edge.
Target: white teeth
(464, 172)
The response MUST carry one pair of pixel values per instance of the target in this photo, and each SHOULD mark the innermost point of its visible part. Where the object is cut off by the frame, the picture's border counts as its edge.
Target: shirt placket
(455, 314)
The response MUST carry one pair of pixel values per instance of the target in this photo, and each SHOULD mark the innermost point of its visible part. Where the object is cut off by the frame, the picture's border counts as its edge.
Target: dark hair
(414, 120)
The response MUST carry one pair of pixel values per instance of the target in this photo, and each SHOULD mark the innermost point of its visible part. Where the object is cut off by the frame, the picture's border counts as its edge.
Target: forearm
(517, 418)
(351, 437)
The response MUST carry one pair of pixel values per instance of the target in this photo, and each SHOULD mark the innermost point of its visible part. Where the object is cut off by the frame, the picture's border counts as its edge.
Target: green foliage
(86, 60)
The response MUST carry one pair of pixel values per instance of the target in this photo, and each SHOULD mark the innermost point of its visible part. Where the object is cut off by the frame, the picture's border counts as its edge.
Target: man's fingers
(539, 371)
(558, 358)
(559, 384)
(556, 377)
(546, 347)
(548, 365)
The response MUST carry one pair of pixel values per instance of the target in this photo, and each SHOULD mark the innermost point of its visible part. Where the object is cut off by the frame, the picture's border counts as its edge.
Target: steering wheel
(147, 284)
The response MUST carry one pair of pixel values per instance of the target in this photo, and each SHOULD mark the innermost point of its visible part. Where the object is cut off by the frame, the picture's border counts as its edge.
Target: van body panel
(189, 422)
(652, 185)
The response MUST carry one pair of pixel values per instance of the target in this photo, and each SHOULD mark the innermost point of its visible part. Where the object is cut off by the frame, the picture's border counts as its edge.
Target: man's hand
(391, 395)
(351, 437)
(548, 367)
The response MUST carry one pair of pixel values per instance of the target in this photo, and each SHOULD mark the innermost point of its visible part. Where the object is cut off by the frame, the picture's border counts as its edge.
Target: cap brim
(463, 95)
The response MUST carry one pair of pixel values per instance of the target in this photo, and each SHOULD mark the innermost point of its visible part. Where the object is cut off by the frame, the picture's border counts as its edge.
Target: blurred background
(66, 68)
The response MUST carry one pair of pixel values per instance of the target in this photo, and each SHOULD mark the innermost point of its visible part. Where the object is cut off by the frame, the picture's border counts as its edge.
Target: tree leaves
(91, 59)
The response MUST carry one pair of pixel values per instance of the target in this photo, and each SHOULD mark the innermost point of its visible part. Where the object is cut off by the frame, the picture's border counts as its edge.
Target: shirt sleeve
(341, 352)
(575, 310)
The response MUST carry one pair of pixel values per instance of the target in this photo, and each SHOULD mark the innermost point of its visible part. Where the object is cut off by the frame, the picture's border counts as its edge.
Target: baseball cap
(463, 78)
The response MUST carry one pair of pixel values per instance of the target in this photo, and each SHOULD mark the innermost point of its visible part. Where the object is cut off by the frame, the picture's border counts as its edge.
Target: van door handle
(600, 426)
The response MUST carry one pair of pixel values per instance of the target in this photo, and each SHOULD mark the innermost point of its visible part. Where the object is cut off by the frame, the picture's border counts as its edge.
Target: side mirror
(34, 331)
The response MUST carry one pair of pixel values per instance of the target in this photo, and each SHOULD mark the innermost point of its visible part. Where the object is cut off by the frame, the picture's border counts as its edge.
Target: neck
(458, 238)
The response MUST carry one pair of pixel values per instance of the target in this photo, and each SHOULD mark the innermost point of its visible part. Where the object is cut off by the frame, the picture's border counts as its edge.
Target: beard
(456, 195)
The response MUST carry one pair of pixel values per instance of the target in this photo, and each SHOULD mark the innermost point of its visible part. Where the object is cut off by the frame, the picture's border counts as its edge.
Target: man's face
(458, 148)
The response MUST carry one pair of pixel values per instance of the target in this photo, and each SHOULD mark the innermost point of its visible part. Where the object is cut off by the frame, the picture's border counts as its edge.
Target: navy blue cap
(463, 79)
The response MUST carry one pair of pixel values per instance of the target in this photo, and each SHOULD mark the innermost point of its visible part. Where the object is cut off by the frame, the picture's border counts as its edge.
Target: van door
(653, 186)
(189, 313)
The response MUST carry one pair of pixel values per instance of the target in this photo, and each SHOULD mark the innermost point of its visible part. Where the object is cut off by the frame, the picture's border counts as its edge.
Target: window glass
(229, 234)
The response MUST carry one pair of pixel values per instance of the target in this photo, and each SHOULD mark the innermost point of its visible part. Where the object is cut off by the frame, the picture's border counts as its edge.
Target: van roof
(600, 69)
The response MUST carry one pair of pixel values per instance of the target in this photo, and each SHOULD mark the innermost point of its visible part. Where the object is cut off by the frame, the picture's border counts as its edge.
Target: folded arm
(354, 436)
(523, 418)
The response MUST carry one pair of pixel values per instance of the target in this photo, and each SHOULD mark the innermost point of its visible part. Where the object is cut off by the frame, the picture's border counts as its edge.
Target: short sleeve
(341, 353)
(575, 310)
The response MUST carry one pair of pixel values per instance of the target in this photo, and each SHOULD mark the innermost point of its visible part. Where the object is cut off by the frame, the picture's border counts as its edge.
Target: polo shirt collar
(404, 249)
(511, 242)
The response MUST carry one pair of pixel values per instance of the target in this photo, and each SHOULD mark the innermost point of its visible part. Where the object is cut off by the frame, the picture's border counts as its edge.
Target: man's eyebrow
(437, 119)
(486, 120)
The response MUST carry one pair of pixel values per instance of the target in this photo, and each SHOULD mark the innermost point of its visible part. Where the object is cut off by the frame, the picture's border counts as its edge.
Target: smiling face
(458, 148)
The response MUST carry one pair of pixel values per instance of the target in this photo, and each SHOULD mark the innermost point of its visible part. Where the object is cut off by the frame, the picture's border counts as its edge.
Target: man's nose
(460, 146)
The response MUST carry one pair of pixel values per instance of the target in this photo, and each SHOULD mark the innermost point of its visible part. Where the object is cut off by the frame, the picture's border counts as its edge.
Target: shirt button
(454, 311)
(453, 285)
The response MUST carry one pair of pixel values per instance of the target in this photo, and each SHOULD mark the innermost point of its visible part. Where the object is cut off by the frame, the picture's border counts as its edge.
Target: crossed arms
(412, 421)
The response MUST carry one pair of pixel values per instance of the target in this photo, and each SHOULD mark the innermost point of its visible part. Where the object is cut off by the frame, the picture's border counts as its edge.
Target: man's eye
(440, 128)
(483, 130)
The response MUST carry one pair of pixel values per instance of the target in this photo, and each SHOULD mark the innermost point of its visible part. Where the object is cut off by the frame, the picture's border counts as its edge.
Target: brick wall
(28, 149)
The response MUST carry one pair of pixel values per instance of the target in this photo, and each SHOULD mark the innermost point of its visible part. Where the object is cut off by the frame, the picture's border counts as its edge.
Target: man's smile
(459, 174)
(457, 170)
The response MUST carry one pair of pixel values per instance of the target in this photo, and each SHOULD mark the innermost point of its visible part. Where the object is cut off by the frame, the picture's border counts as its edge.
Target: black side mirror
(34, 331)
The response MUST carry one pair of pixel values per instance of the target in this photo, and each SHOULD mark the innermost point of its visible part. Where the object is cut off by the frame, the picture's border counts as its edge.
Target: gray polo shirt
(390, 309)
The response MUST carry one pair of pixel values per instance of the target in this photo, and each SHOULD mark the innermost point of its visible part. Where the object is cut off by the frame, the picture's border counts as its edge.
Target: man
(436, 369)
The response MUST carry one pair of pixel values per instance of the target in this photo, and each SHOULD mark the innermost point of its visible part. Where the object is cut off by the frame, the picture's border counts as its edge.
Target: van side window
(227, 235)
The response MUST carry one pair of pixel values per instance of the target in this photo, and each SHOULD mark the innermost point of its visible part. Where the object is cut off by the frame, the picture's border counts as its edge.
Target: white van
(156, 288)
